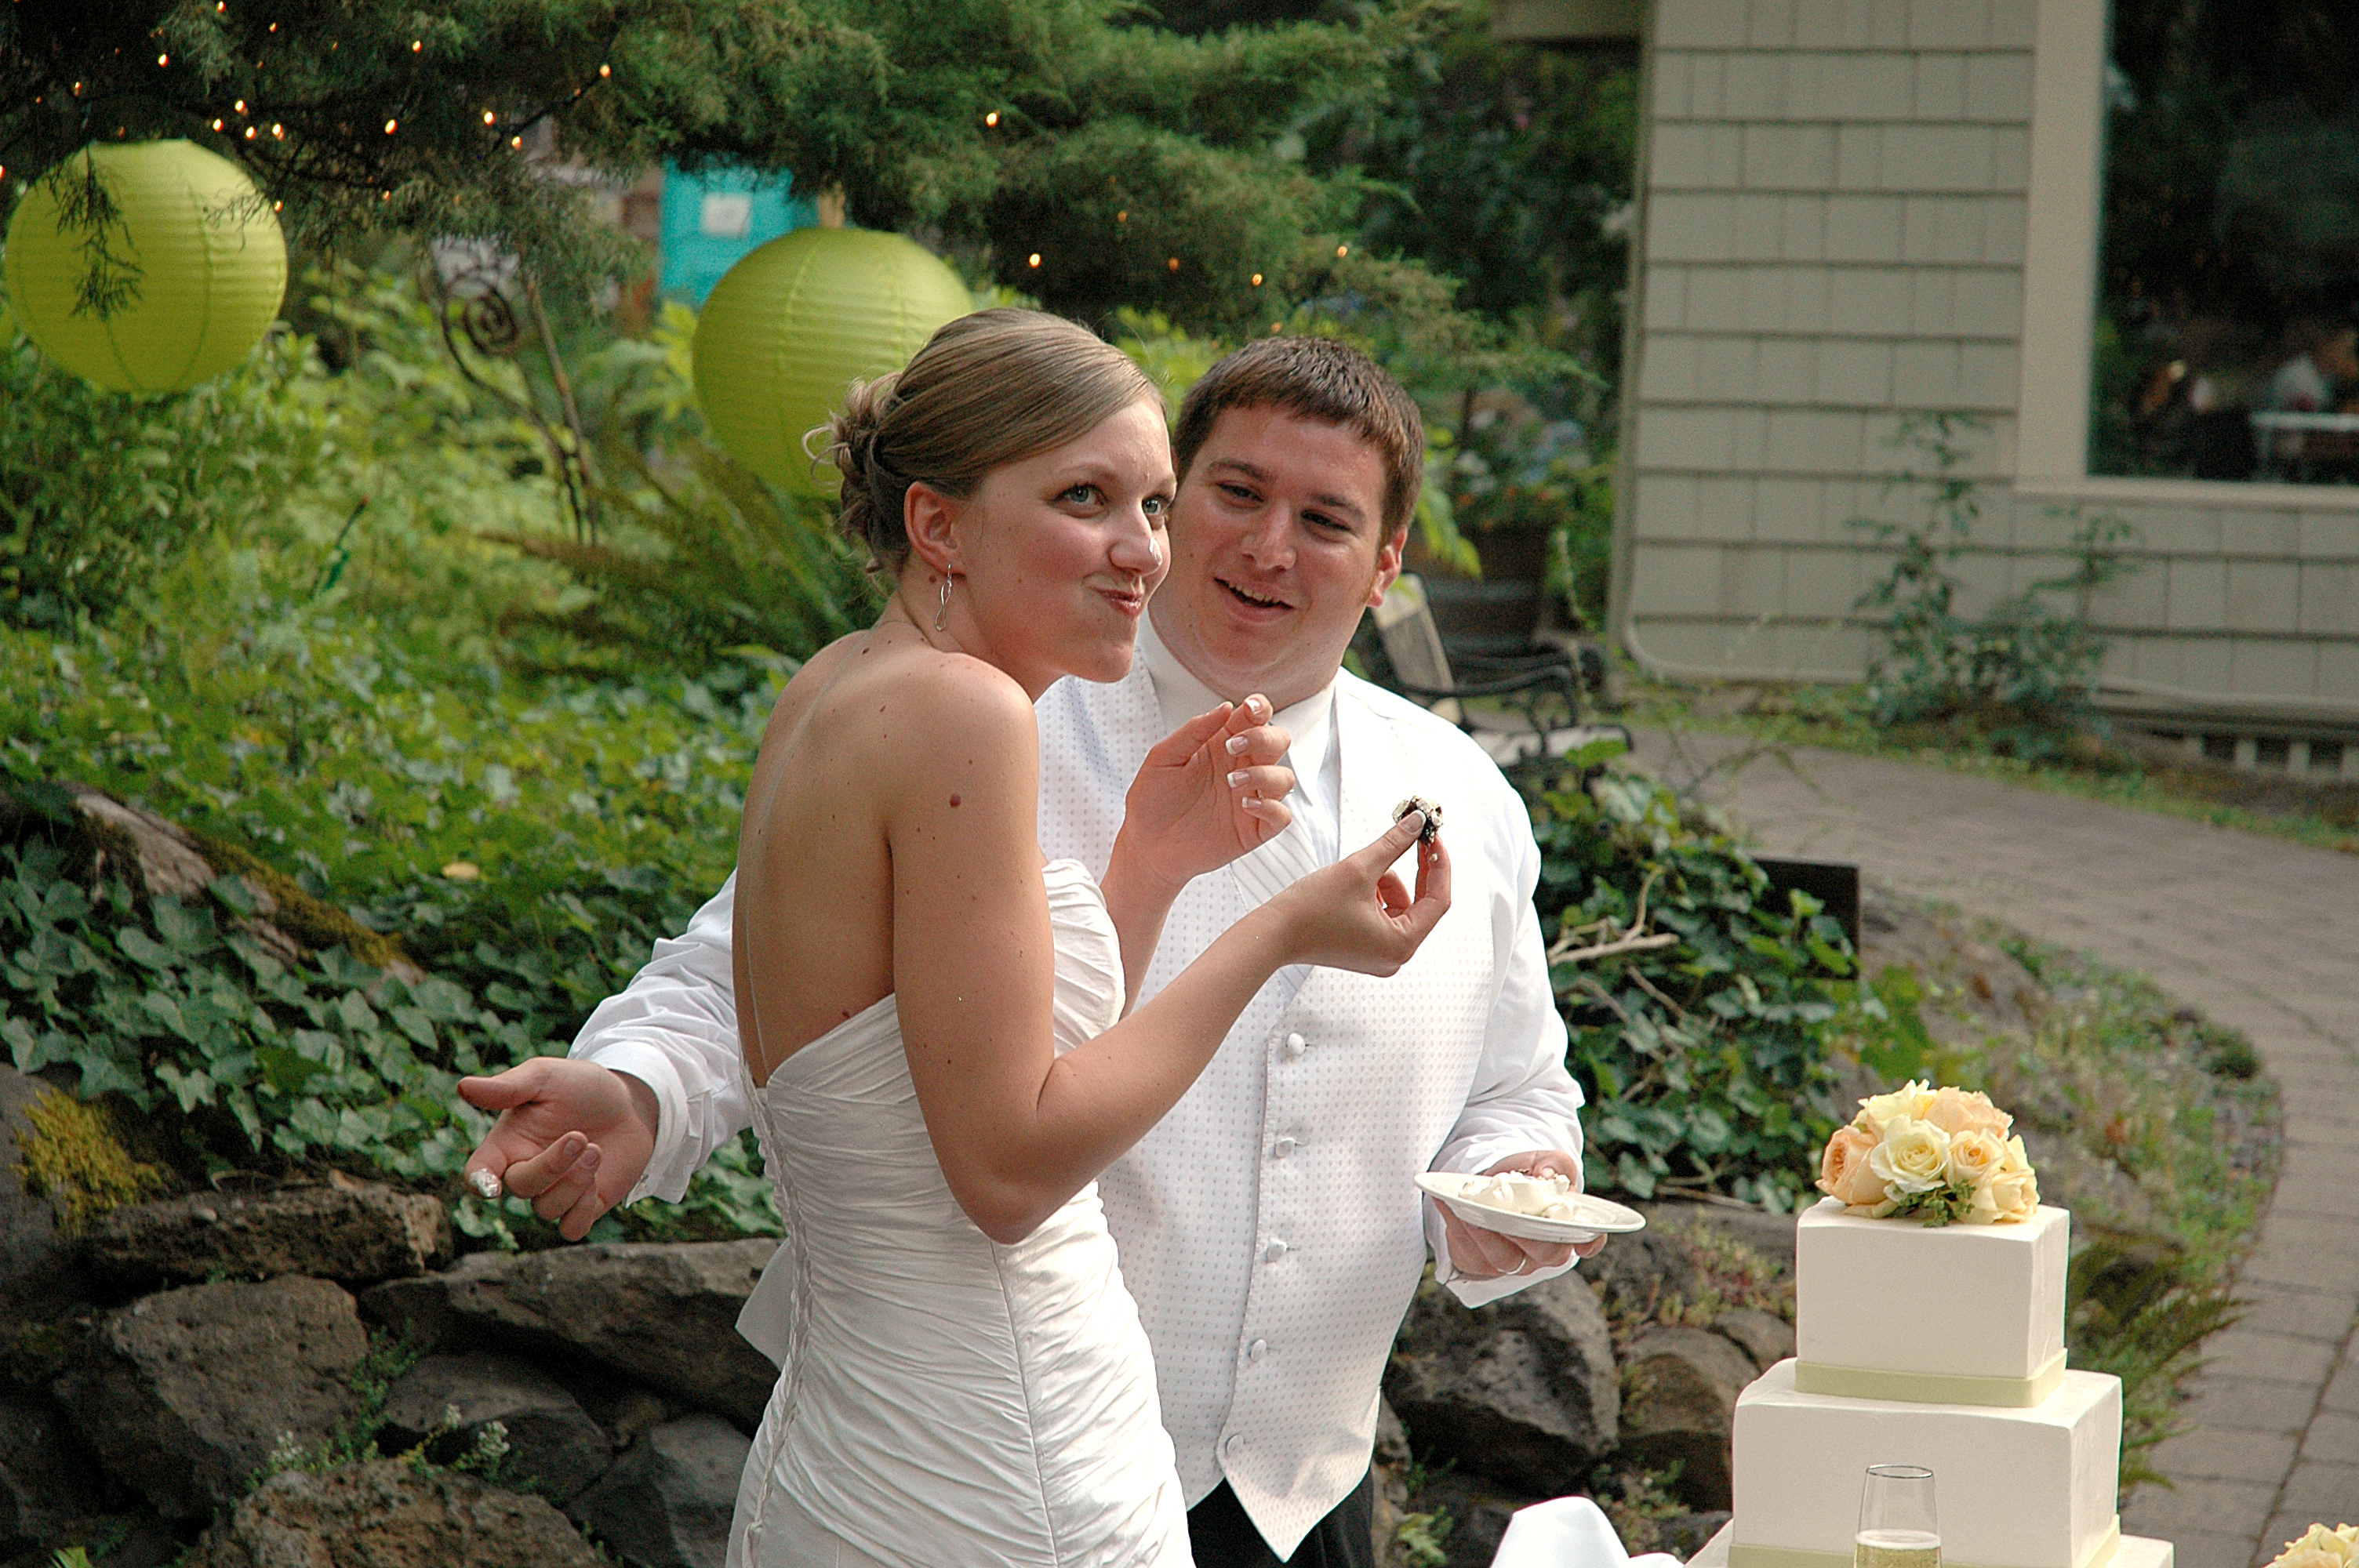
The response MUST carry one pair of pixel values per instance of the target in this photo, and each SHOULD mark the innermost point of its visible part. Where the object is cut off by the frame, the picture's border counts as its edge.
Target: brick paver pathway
(2261, 934)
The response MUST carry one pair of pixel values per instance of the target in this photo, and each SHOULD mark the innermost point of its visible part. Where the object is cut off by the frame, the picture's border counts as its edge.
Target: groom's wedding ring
(486, 1184)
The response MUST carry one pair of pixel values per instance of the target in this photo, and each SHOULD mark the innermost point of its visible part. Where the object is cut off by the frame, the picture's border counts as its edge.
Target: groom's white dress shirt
(1269, 1226)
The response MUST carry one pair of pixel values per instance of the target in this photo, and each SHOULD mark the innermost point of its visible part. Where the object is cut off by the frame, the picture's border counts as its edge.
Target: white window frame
(2062, 234)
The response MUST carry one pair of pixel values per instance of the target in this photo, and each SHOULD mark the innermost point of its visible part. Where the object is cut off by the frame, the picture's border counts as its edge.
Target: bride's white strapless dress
(947, 1400)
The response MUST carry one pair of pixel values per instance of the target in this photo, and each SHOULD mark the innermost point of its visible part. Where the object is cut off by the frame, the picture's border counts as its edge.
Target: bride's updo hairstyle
(994, 387)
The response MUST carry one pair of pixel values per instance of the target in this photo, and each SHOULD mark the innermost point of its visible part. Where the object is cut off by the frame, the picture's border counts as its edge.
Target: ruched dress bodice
(946, 1399)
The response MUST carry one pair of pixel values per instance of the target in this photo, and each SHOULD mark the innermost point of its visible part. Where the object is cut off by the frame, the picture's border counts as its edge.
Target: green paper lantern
(796, 322)
(212, 267)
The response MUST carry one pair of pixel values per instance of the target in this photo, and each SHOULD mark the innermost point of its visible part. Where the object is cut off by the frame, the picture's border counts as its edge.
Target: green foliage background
(400, 717)
(1708, 1063)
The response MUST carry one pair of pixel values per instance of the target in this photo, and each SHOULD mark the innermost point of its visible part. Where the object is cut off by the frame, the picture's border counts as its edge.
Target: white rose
(1975, 1157)
(2303, 1554)
(1911, 1101)
(2009, 1197)
(2319, 1547)
(1914, 1156)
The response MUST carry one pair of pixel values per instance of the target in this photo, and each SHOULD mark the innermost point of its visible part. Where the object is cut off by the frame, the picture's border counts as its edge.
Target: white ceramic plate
(1596, 1216)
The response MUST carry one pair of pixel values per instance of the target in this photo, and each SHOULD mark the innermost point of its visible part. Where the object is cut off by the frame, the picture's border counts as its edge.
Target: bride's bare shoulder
(946, 698)
(898, 691)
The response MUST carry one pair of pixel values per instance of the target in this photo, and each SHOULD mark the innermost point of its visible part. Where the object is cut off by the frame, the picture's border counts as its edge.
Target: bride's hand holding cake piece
(1357, 915)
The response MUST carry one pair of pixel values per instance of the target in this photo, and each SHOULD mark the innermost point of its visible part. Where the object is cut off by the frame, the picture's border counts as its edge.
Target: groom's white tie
(1308, 842)
(1280, 863)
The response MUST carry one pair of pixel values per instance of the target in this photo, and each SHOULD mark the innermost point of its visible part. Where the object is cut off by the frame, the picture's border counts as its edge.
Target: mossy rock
(75, 1153)
(312, 921)
(38, 1268)
(162, 858)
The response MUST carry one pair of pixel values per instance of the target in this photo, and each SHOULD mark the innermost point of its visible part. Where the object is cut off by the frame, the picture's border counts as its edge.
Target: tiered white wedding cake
(1929, 1330)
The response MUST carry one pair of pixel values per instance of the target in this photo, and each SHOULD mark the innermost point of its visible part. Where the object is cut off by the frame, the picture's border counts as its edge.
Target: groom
(1269, 1226)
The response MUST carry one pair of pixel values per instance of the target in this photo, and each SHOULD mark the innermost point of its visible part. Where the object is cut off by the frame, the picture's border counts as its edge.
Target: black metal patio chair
(1543, 687)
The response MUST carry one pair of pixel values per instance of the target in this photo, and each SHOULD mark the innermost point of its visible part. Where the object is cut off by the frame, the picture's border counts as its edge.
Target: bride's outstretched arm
(1210, 791)
(1018, 1128)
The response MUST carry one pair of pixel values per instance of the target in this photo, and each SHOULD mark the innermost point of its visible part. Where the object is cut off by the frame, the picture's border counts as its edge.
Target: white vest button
(1258, 1349)
(1273, 1252)
(1294, 1044)
(1233, 1444)
(1281, 1149)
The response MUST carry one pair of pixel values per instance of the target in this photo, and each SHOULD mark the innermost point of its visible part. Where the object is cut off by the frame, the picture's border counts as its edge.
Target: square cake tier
(2014, 1488)
(1948, 1314)
(2135, 1552)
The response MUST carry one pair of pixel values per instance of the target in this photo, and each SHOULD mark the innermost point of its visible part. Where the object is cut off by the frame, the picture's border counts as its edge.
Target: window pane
(2227, 340)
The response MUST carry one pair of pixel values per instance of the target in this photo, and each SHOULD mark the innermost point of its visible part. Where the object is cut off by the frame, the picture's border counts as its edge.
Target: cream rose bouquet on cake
(2319, 1547)
(1942, 1156)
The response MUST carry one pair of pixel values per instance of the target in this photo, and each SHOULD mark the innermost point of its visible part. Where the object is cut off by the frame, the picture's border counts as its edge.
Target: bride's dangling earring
(941, 614)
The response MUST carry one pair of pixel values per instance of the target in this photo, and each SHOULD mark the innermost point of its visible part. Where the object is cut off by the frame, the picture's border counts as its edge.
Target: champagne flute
(1897, 1524)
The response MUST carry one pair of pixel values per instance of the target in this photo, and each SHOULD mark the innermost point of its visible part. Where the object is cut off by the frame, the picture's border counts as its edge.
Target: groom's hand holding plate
(1477, 1251)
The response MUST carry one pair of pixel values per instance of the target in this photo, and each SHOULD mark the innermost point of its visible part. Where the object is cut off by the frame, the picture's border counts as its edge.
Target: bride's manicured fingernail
(1238, 777)
(1237, 743)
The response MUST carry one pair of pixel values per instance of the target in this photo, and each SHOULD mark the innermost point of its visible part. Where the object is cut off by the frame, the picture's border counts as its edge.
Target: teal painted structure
(712, 217)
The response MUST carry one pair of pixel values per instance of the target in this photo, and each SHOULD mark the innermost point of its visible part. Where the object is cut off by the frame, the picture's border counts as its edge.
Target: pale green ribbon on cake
(1930, 1387)
(1741, 1555)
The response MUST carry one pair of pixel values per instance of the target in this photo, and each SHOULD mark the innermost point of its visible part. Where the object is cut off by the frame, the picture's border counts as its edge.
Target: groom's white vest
(1269, 1226)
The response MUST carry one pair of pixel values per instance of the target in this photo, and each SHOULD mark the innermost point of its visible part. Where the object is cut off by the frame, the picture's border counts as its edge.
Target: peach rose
(1914, 1156)
(1959, 1111)
(1843, 1174)
(1975, 1156)
(1911, 1099)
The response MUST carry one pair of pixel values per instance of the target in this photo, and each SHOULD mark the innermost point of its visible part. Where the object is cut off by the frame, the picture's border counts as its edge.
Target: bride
(934, 1024)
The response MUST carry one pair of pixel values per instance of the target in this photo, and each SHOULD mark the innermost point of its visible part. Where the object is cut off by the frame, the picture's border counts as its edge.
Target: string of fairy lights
(1035, 261)
(243, 128)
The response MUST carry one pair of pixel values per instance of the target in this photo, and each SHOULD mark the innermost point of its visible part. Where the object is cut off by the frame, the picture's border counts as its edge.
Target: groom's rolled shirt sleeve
(674, 1028)
(1523, 1098)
